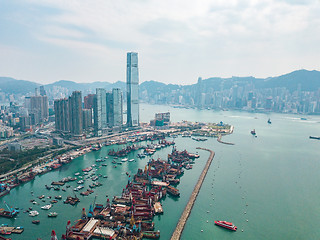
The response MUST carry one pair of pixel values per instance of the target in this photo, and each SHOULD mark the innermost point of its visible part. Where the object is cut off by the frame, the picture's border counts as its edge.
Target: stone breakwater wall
(186, 213)
(220, 141)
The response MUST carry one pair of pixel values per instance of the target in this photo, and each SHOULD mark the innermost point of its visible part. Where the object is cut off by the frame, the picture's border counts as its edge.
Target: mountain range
(307, 80)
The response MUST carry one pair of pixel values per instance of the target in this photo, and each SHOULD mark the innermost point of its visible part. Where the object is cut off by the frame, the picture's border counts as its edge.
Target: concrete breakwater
(220, 141)
(186, 213)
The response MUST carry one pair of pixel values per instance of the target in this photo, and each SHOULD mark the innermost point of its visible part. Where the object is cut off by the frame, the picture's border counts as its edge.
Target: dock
(186, 213)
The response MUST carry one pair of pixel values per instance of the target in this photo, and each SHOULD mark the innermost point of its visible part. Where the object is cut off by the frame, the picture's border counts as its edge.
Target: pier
(186, 213)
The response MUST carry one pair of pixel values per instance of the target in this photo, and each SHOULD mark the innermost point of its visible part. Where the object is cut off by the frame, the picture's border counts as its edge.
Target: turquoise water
(271, 181)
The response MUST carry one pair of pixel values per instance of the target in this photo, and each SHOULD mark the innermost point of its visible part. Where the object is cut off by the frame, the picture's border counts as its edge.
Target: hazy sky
(177, 40)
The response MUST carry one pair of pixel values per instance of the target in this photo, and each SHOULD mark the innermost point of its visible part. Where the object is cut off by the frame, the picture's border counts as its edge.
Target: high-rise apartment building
(132, 90)
(42, 91)
(39, 107)
(86, 118)
(89, 101)
(100, 111)
(62, 119)
(117, 107)
(109, 99)
(75, 109)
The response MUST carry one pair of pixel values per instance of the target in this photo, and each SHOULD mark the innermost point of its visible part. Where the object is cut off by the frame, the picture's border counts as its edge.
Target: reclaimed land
(185, 215)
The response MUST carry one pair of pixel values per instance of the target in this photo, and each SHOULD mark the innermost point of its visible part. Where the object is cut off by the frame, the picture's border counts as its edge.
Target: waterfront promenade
(185, 215)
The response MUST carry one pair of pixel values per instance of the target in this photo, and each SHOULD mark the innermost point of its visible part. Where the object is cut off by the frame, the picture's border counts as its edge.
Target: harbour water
(266, 185)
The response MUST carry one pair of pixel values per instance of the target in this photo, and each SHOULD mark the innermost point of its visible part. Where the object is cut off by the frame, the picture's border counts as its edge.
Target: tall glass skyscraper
(132, 90)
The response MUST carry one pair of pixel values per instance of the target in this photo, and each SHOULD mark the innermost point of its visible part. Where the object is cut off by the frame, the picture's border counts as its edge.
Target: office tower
(117, 107)
(132, 90)
(42, 91)
(75, 109)
(100, 111)
(109, 99)
(89, 101)
(61, 111)
(39, 107)
(86, 118)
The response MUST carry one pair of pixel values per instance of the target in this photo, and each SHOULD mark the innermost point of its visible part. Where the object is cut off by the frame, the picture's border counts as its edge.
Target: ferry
(226, 224)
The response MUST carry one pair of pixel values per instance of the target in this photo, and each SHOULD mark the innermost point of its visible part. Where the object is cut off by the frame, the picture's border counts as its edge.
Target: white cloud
(218, 38)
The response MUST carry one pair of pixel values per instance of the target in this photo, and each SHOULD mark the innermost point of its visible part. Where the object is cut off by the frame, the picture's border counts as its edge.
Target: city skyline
(79, 42)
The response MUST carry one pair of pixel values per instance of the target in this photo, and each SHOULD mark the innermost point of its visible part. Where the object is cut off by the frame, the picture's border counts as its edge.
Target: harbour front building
(132, 90)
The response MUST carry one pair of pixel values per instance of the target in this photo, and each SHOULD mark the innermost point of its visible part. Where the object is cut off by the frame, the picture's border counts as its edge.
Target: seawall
(186, 213)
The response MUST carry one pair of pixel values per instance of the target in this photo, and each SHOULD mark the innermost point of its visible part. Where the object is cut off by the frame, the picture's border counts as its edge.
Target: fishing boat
(88, 169)
(151, 234)
(124, 159)
(35, 221)
(269, 121)
(131, 160)
(173, 191)
(52, 214)
(226, 224)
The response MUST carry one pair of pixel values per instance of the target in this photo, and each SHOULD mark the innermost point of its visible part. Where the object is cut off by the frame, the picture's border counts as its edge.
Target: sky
(177, 40)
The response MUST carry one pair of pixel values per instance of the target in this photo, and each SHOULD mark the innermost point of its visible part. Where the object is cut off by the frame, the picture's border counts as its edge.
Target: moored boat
(226, 224)
(52, 214)
(151, 234)
(33, 213)
(46, 207)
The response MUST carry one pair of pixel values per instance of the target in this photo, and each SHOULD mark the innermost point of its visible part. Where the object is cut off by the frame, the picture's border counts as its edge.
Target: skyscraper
(75, 109)
(89, 101)
(39, 107)
(62, 119)
(109, 99)
(100, 111)
(117, 107)
(132, 90)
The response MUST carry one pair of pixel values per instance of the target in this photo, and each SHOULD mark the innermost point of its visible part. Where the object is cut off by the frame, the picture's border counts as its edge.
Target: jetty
(186, 213)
